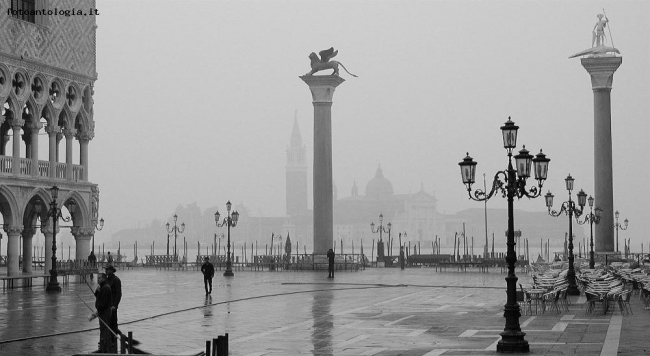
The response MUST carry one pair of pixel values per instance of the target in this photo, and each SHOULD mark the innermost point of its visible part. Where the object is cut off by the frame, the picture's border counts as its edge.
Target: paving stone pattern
(373, 312)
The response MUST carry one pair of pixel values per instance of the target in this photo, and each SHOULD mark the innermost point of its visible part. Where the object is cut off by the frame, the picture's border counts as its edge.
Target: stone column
(28, 234)
(69, 137)
(52, 132)
(601, 70)
(36, 127)
(322, 90)
(82, 237)
(16, 124)
(13, 250)
(83, 139)
(47, 231)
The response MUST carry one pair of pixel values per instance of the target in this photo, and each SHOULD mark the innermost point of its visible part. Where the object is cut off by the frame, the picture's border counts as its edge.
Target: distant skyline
(195, 100)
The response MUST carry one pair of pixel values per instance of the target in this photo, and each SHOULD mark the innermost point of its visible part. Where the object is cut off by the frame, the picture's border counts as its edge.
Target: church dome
(379, 187)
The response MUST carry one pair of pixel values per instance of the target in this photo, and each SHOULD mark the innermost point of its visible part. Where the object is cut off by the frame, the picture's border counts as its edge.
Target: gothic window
(24, 10)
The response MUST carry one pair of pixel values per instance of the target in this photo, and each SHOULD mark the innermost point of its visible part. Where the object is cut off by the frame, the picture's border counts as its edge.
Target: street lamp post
(592, 219)
(101, 226)
(570, 209)
(380, 229)
(401, 249)
(55, 213)
(618, 226)
(513, 185)
(176, 230)
(231, 221)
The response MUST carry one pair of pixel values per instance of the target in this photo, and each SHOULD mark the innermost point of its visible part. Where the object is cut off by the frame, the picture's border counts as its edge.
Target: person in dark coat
(115, 284)
(103, 304)
(330, 258)
(208, 272)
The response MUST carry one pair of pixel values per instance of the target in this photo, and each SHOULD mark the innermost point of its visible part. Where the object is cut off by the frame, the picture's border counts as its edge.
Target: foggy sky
(195, 100)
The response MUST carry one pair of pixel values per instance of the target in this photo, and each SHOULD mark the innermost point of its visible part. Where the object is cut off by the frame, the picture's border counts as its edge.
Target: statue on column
(598, 38)
(323, 63)
(598, 33)
(95, 203)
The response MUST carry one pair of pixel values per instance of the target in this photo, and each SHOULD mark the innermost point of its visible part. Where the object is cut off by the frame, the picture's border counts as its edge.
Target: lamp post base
(228, 273)
(513, 342)
(53, 286)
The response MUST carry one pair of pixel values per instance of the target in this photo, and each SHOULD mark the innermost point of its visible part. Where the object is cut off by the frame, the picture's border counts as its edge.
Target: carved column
(82, 236)
(16, 125)
(35, 127)
(52, 132)
(84, 138)
(69, 136)
(322, 90)
(13, 250)
(28, 234)
(601, 70)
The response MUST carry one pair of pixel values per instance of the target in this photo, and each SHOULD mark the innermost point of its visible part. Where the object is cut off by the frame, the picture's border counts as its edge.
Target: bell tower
(296, 170)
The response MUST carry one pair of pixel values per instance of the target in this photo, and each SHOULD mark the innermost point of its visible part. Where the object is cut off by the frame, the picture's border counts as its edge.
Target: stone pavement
(373, 312)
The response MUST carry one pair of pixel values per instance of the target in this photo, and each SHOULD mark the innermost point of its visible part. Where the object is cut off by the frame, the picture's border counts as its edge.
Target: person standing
(103, 303)
(208, 273)
(109, 259)
(115, 284)
(330, 258)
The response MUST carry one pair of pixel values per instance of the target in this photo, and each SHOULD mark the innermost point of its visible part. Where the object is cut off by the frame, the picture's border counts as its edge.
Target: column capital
(82, 232)
(14, 230)
(16, 123)
(69, 133)
(601, 70)
(52, 129)
(35, 126)
(85, 136)
(28, 232)
(322, 86)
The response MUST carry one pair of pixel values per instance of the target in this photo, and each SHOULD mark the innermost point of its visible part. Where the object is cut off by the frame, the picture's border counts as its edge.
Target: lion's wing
(327, 54)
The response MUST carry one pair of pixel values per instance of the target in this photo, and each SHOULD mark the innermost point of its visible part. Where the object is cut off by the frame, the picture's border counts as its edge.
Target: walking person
(115, 285)
(208, 272)
(330, 258)
(103, 303)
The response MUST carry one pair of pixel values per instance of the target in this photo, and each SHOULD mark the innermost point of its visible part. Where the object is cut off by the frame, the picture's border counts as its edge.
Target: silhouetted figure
(208, 273)
(330, 258)
(116, 296)
(103, 303)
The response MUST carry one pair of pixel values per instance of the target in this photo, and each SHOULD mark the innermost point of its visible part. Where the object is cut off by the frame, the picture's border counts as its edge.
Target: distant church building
(47, 73)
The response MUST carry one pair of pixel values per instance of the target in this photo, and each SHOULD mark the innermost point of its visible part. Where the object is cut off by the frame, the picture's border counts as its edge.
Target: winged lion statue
(323, 63)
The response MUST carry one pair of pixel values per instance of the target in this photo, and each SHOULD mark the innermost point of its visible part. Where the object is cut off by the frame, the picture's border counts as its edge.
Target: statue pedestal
(601, 70)
(381, 264)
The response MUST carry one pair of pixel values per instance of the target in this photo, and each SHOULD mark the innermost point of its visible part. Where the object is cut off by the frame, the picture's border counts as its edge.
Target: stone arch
(82, 215)
(12, 107)
(9, 206)
(81, 122)
(38, 195)
(64, 121)
(87, 99)
(54, 113)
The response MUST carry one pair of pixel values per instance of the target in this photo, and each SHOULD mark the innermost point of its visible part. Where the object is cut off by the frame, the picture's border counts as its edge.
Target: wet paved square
(371, 312)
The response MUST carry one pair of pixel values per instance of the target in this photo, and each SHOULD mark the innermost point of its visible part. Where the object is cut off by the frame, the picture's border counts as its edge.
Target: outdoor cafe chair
(624, 302)
(524, 302)
(593, 301)
(551, 299)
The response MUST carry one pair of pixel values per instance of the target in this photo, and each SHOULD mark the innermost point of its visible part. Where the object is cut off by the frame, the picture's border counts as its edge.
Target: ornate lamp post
(380, 230)
(55, 213)
(513, 185)
(231, 221)
(570, 209)
(176, 230)
(618, 226)
(592, 219)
